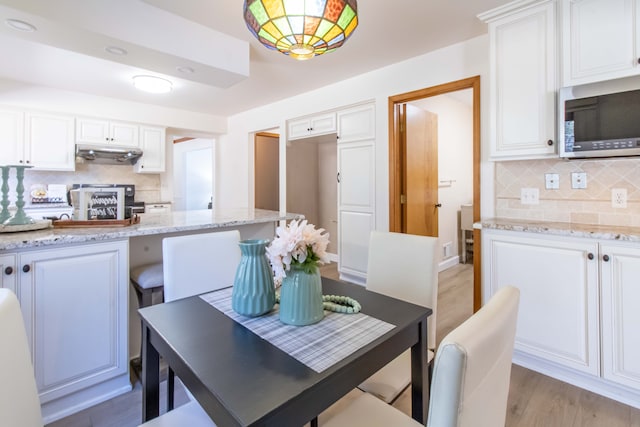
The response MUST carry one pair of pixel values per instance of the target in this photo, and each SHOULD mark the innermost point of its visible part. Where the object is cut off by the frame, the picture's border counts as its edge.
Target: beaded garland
(337, 303)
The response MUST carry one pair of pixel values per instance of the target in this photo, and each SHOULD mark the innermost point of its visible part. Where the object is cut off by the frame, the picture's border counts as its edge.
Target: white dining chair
(471, 376)
(198, 263)
(402, 266)
(19, 402)
(194, 264)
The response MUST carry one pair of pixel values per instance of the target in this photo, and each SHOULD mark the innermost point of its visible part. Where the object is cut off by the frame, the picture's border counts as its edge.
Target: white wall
(75, 103)
(193, 174)
(455, 62)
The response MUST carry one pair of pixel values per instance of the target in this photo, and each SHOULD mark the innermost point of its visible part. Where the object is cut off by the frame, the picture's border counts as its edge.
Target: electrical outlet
(618, 197)
(529, 196)
(551, 181)
(578, 180)
(446, 249)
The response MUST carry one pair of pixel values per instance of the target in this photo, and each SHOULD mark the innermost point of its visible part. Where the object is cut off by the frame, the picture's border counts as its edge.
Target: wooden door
(419, 141)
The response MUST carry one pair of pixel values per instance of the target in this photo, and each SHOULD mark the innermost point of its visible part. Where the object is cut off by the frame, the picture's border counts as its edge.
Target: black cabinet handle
(590, 255)
(438, 205)
(550, 142)
(638, 60)
(338, 177)
(8, 271)
(26, 268)
(605, 258)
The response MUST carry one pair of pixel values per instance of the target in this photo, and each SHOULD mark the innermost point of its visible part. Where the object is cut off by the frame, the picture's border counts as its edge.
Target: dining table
(249, 372)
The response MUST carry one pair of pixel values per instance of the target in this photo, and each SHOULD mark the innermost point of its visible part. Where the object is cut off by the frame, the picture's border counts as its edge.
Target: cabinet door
(620, 269)
(152, 142)
(12, 137)
(50, 141)
(299, 128)
(74, 301)
(323, 124)
(523, 83)
(92, 131)
(356, 124)
(599, 40)
(125, 134)
(558, 319)
(8, 272)
(356, 207)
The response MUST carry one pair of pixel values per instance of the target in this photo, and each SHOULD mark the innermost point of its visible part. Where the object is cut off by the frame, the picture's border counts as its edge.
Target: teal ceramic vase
(301, 297)
(253, 290)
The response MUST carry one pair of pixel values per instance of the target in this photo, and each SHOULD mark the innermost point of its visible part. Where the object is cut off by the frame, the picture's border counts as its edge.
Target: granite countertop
(602, 232)
(150, 223)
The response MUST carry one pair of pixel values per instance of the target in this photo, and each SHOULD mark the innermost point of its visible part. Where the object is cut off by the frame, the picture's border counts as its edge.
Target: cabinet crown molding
(514, 6)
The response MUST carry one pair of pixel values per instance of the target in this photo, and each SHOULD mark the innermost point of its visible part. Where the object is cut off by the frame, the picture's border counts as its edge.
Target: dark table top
(244, 380)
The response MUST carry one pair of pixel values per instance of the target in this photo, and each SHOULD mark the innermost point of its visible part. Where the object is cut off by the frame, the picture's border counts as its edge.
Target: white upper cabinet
(42, 140)
(356, 124)
(523, 74)
(601, 40)
(96, 131)
(152, 143)
(320, 124)
(49, 141)
(12, 134)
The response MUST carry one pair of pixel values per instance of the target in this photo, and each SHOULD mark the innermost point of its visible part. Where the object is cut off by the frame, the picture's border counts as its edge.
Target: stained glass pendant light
(301, 29)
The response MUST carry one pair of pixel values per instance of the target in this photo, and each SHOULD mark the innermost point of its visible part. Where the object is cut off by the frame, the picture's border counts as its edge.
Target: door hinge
(403, 199)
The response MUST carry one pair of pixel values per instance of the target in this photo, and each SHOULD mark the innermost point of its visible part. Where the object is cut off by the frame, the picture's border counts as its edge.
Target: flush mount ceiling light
(16, 24)
(152, 84)
(115, 50)
(301, 29)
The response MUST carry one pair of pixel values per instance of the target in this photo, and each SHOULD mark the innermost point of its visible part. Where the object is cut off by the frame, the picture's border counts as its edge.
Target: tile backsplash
(147, 185)
(583, 206)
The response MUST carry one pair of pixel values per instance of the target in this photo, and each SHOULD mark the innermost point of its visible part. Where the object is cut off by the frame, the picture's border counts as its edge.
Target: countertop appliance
(602, 126)
(131, 207)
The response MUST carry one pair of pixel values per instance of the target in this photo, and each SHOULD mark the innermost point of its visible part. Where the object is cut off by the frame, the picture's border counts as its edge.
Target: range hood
(107, 154)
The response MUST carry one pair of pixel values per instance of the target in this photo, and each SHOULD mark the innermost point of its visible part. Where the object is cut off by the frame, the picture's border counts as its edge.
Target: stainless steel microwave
(602, 126)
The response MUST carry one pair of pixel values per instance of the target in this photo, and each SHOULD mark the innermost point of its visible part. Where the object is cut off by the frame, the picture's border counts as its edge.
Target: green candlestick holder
(20, 217)
(4, 213)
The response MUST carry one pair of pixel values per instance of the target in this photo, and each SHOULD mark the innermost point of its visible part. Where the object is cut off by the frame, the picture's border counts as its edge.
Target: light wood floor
(534, 399)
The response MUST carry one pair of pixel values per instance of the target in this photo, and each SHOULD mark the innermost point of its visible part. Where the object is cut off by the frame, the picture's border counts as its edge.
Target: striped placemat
(319, 346)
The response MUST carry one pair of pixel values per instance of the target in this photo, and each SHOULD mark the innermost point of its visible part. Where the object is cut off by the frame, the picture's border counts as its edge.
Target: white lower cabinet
(74, 302)
(8, 271)
(578, 311)
(620, 314)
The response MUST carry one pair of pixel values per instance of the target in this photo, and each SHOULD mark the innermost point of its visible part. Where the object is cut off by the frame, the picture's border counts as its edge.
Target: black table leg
(314, 422)
(171, 382)
(150, 378)
(419, 383)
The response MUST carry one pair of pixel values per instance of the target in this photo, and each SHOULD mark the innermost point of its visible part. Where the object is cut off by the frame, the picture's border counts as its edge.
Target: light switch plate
(578, 180)
(551, 181)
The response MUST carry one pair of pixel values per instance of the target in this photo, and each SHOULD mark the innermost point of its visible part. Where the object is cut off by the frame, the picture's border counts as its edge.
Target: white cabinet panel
(600, 40)
(356, 124)
(8, 272)
(320, 124)
(50, 141)
(12, 134)
(356, 169)
(355, 228)
(152, 143)
(523, 71)
(558, 318)
(620, 314)
(74, 302)
(101, 132)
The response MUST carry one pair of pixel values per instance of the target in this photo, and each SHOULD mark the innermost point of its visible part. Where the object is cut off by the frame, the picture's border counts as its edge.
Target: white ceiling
(233, 71)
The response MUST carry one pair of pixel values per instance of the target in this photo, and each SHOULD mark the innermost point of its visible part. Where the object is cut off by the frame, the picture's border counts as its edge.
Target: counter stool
(145, 279)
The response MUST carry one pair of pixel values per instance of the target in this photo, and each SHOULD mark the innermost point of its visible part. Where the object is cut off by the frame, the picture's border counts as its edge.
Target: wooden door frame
(395, 171)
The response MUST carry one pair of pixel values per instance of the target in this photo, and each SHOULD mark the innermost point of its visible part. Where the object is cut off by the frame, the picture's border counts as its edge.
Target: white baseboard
(332, 257)
(448, 263)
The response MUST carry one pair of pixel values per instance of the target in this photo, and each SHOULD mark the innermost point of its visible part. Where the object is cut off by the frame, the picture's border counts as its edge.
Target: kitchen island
(77, 305)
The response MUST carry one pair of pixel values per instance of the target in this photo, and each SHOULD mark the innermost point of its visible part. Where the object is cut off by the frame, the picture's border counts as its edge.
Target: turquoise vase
(301, 297)
(253, 290)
